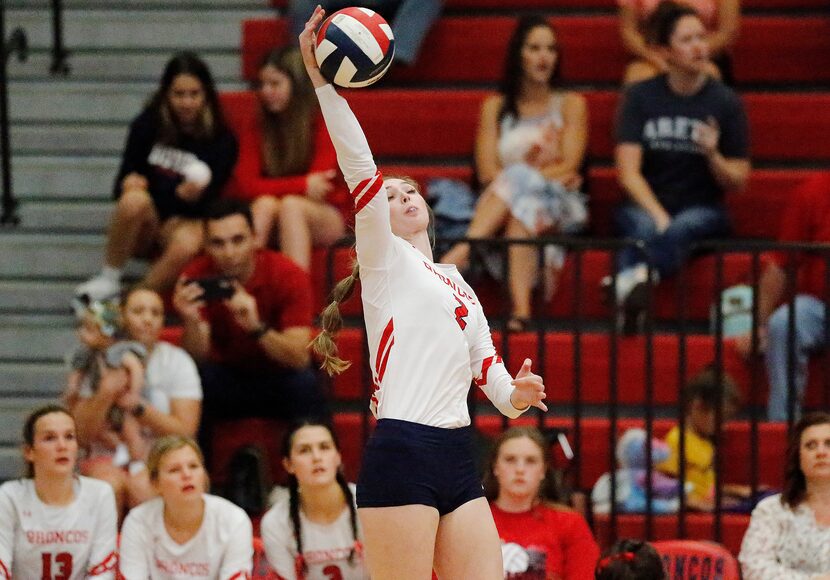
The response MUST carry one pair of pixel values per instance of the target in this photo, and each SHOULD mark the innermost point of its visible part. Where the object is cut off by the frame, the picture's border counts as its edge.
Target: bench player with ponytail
(419, 495)
(312, 531)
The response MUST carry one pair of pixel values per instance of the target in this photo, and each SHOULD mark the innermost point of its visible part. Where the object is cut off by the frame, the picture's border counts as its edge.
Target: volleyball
(355, 47)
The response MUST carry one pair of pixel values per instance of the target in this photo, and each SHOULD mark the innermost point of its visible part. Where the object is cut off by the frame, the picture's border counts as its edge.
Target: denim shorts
(407, 463)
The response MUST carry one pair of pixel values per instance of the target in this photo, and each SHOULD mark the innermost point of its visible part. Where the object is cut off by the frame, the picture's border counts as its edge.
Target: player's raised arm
(372, 226)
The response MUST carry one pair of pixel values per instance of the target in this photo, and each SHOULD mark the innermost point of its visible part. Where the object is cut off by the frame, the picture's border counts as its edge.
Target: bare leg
(489, 217)
(264, 210)
(134, 214)
(523, 269)
(183, 242)
(304, 223)
(468, 545)
(400, 541)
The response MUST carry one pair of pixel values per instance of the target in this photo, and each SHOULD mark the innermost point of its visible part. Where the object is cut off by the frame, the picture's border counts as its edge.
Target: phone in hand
(214, 288)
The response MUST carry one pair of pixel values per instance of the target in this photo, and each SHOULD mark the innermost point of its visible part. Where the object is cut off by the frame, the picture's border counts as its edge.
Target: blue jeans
(809, 337)
(669, 249)
(412, 21)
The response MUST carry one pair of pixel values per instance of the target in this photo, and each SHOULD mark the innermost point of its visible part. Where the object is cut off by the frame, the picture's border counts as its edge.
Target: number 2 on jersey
(461, 313)
(63, 566)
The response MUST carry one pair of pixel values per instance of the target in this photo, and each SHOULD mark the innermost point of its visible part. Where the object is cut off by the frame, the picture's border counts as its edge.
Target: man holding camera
(247, 317)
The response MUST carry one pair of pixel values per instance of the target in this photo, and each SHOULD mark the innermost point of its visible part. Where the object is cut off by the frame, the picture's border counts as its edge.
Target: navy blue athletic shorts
(408, 463)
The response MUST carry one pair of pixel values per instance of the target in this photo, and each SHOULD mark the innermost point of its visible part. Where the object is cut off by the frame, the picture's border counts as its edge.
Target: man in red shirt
(250, 346)
(807, 219)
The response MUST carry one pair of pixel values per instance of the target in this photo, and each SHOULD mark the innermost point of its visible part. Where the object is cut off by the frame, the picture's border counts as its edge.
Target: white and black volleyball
(355, 47)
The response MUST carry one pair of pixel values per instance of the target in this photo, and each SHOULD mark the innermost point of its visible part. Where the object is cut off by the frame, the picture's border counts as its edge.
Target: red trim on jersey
(366, 190)
(5, 571)
(481, 382)
(241, 575)
(384, 339)
(108, 564)
(382, 370)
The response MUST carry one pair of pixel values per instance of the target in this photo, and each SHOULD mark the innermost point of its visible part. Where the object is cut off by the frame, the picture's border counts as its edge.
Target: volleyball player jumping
(419, 496)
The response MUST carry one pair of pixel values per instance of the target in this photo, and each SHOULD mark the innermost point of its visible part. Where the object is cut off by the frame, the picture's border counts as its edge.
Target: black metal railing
(574, 413)
(16, 44)
(59, 65)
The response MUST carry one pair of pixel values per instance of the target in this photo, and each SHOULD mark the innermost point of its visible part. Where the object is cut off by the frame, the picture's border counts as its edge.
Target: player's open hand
(308, 41)
(529, 389)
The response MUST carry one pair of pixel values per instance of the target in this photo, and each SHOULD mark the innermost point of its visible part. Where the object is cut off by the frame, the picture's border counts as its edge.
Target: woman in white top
(171, 403)
(54, 524)
(185, 532)
(530, 147)
(789, 534)
(419, 494)
(311, 531)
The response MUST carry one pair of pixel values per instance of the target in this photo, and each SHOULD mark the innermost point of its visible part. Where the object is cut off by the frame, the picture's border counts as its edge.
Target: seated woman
(287, 165)
(530, 147)
(540, 539)
(178, 157)
(312, 529)
(170, 402)
(722, 20)
(185, 531)
(54, 524)
(789, 534)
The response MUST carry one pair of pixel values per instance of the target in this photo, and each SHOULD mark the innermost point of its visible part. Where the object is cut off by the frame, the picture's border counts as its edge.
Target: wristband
(259, 331)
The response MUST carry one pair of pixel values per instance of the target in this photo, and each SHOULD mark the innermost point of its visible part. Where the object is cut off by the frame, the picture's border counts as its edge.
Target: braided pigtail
(347, 494)
(294, 512)
(331, 321)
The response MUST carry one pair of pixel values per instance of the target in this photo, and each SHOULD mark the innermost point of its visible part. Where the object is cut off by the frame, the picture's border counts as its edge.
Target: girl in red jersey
(419, 495)
(541, 540)
(54, 524)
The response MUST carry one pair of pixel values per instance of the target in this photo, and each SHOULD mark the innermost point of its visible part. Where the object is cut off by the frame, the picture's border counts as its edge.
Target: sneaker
(634, 310)
(98, 288)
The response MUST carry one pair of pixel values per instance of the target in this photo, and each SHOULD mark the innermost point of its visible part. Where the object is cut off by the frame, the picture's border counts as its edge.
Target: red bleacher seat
(698, 526)
(229, 435)
(696, 559)
(769, 49)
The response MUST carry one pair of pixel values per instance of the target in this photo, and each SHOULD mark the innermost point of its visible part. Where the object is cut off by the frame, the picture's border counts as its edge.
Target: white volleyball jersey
(222, 549)
(427, 333)
(69, 542)
(326, 547)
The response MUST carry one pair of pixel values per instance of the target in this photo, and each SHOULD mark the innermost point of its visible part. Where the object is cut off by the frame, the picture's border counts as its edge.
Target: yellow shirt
(700, 454)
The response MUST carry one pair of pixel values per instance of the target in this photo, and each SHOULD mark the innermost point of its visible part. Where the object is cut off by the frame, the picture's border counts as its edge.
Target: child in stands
(287, 166)
(631, 560)
(100, 351)
(703, 393)
(312, 530)
(541, 537)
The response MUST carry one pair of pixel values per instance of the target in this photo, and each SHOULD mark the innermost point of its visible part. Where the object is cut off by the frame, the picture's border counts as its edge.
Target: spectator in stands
(178, 157)
(312, 529)
(806, 219)
(287, 164)
(185, 532)
(168, 404)
(789, 534)
(54, 524)
(541, 537)
(529, 150)
(410, 20)
(631, 560)
(720, 17)
(251, 343)
(703, 394)
(682, 143)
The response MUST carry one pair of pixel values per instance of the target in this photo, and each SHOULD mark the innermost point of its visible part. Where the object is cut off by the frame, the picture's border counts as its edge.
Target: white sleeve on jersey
(277, 538)
(238, 559)
(373, 231)
(135, 544)
(103, 559)
(8, 522)
(489, 372)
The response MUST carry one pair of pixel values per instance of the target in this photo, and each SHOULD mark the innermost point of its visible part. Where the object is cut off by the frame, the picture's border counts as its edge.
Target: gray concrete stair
(13, 414)
(43, 379)
(34, 297)
(65, 177)
(63, 216)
